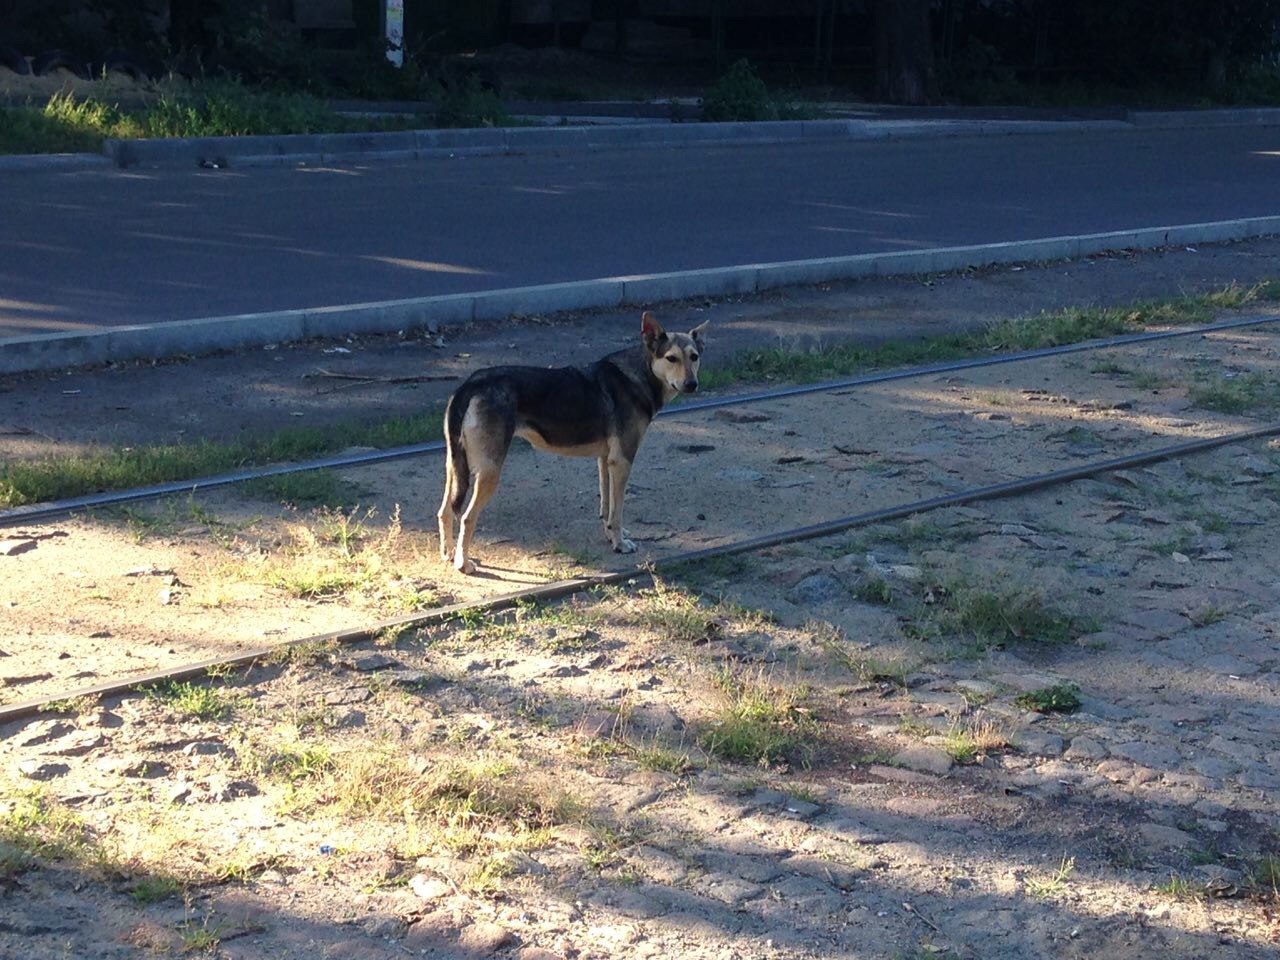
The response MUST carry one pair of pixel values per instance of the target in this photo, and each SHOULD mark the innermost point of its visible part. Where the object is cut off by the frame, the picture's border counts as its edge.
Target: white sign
(395, 31)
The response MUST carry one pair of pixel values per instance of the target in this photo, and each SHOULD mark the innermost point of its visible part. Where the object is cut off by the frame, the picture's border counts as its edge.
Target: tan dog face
(673, 357)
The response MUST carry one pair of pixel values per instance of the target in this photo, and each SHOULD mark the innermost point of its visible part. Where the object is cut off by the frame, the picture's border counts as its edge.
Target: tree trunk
(186, 24)
(903, 51)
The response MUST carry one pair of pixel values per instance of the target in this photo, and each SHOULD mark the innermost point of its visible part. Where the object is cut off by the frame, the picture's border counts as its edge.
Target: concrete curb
(44, 162)
(425, 144)
(260, 151)
(205, 335)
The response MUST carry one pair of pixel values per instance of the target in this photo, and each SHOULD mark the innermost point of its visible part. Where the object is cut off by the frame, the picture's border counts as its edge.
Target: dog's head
(673, 357)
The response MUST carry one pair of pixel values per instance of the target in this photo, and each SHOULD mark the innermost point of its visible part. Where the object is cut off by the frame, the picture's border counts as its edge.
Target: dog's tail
(457, 473)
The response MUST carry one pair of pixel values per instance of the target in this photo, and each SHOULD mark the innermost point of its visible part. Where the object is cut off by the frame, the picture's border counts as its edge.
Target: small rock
(1037, 744)
(178, 793)
(76, 746)
(369, 662)
(1163, 623)
(220, 791)
(205, 748)
(924, 758)
(1163, 836)
(1148, 754)
(816, 589)
(44, 731)
(741, 416)
(429, 888)
(14, 547)
(42, 769)
(519, 862)
(483, 938)
(599, 725)
(1084, 748)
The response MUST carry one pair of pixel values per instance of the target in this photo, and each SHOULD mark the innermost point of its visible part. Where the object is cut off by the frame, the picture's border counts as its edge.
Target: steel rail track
(563, 588)
(34, 513)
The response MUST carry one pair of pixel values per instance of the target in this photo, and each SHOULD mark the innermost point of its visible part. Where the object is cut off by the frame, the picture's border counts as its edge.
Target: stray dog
(600, 411)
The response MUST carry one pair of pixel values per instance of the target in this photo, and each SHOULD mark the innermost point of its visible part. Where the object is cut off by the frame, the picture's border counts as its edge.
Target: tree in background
(903, 51)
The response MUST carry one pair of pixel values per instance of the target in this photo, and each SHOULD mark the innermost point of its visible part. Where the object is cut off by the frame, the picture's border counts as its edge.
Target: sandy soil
(315, 808)
(93, 599)
(1131, 827)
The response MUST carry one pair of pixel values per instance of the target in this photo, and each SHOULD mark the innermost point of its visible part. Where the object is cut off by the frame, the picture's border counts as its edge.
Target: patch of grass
(990, 617)
(867, 669)
(662, 759)
(341, 555)
(315, 488)
(1208, 613)
(968, 741)
(1072, 325)
(67, 123)
(53, 478)
(1145, 380)
(469, 806)
(291, 761)
(676, 615)
(1237, 395)
(303, 654)
(1059, 698)
(1044, 887)
(38, 827)
(1111, 368)
(14, 860)
(154, 887)
(194, 700)
(73, 706)
(202, 937)
(873, 589)
(1264, 878)
(760, 722)
(1180, 888)
(471, 104)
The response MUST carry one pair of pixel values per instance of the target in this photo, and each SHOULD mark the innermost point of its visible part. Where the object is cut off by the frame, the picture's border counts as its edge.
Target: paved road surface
(88, 249)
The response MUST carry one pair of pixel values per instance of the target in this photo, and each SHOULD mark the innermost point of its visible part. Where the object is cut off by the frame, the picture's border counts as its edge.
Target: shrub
(739, 94)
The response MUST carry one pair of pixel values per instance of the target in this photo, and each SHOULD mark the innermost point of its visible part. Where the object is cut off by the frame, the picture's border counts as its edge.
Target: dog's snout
(690, 386)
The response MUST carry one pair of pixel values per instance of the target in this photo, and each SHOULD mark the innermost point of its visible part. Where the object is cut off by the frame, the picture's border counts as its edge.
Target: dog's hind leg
(446, 517)
(602, 464)
(483, 486)
(457, 478)
(619, 470)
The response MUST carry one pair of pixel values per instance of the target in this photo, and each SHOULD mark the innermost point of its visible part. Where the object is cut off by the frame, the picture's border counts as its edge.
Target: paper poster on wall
(395, 31)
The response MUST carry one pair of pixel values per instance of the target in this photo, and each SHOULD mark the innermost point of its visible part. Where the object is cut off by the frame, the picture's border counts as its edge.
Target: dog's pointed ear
(699, 334)
(651, 331)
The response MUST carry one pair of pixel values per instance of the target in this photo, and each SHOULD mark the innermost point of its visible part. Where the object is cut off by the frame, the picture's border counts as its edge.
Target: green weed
(1059, 698)
(194, 700)
(760, 722)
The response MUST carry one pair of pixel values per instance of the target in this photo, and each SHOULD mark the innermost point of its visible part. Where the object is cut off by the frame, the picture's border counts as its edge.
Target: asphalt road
(88, 249)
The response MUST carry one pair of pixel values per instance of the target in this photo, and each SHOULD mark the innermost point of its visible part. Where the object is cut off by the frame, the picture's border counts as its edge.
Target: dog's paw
(624, 546)
(467, 567)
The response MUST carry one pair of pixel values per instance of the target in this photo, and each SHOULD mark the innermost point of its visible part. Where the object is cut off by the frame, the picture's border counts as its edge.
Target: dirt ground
(148, 587)
(816, 751)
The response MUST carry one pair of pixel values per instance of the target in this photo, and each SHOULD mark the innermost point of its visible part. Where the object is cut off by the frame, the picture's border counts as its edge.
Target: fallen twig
(360, 379)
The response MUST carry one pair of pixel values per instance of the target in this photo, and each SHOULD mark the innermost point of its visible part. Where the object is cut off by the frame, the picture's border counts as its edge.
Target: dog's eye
(693, 358)
(673, 359)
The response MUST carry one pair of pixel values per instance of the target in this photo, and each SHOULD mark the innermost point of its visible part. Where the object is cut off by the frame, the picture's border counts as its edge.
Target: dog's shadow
(489, 571)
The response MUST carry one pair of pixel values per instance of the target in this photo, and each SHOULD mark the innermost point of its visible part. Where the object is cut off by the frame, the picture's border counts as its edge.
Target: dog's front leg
(619, 471)
(602, 464)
